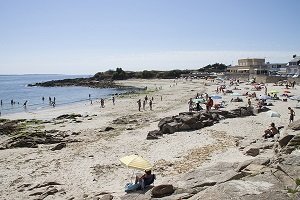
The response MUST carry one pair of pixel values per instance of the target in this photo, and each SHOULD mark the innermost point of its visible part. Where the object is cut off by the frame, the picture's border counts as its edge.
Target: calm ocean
(14, 87)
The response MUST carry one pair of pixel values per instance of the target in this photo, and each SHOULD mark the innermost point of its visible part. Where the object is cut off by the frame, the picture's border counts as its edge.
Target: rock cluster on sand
(189, 121)
(273, 177)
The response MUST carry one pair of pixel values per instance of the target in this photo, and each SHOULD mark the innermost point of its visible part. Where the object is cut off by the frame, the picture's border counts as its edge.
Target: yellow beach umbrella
(136, 162)
(274, 92)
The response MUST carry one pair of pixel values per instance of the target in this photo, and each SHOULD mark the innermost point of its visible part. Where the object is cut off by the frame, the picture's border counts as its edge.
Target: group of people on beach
(139, 102)
(209, 103)
(272, 130)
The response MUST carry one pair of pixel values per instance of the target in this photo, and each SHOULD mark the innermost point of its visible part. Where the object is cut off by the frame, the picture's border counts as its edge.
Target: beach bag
(129, 187)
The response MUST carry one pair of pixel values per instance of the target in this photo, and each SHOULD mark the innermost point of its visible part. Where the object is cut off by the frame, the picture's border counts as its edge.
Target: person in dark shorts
(292, 114)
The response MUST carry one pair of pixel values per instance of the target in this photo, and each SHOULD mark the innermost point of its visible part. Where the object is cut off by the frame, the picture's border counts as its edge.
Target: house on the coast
(293, 67)
(249, 66)
(277, 68)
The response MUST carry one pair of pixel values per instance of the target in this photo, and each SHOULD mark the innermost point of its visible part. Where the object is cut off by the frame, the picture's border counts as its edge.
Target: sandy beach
(91, 166)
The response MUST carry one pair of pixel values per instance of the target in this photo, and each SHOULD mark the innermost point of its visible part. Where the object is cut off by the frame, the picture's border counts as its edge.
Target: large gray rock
(207, 122)
(221, 178)
(258, 161)
(293, 160)
(164, 121)
(252, 151)
(107, 197)
(295, 125)
(196, 126)
(240, 189)
(170, 128)
(293, 144)
(59, 146)
(162, 190)
(136, 196)
(199, 178)
(184, 127)
(189, 120)
(152, 135)
(175, 196)
(285, 140)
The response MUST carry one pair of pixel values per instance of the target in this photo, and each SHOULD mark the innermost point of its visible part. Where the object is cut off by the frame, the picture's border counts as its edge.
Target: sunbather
(146, 179)
(271, 131)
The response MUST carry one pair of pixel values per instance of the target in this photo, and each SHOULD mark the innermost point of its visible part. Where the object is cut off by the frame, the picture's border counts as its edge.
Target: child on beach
(292, 114)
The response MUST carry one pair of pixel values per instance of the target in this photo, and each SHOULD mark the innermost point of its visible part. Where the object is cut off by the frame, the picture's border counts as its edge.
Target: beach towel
(129, 187)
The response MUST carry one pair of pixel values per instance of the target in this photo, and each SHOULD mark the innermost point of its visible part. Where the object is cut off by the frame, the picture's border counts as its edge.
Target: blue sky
(87, 36)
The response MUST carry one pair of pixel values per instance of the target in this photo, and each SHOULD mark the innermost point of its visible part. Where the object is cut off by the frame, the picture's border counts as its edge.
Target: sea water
(15, 88)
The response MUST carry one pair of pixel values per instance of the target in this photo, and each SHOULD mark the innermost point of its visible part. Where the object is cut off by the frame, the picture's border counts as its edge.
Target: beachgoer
(292, 114)
(209, 104)
(198, 108)
(150, 104)
(249, 102)
(102, 102)
(146, 98)
(89, 96)
(43, 99)
(54, 100)
(152, 98)
(146, 179)
(91, 101)
(113, 100)
(1, 102)
(144, 104)
(190, 105)
(266, 90)
(25, 103)
(12, 102)
(139, 104)
(50, 99)
(271, 131)
(161, 98)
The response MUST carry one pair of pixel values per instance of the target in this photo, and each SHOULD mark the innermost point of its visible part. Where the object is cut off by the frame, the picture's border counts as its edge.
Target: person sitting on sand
(271, 131)
(146, 179)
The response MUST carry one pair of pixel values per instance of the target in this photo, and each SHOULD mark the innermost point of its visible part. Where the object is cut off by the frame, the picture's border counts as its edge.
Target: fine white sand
(92, 166)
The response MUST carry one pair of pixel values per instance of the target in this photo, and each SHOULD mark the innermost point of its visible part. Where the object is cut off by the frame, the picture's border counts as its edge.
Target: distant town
(249, 68)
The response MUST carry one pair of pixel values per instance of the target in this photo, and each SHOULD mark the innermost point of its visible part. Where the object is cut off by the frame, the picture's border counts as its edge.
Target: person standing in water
(150, 104)
(113, 100)
(25, 104)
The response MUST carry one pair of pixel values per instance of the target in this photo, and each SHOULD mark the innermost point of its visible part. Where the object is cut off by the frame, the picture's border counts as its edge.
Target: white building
(294, 66)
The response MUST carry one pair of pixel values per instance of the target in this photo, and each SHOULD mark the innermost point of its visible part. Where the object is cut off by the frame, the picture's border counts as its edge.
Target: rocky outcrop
(162, 190)
(189, 121)
(85, 82)
(31, 140)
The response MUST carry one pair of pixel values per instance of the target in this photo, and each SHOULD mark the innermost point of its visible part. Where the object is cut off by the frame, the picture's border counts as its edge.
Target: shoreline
(44, 107)
(92, 165)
